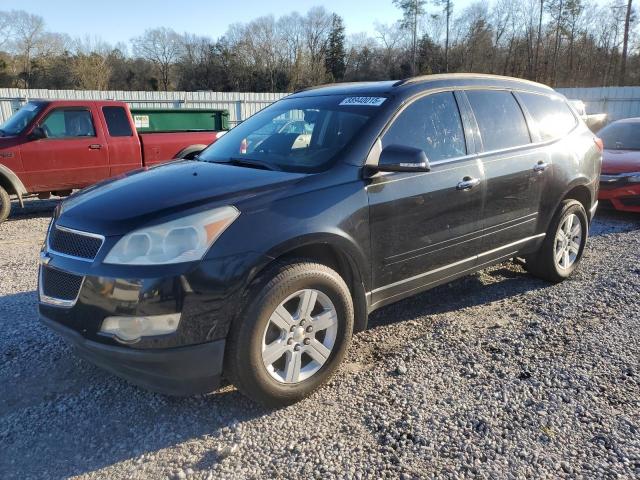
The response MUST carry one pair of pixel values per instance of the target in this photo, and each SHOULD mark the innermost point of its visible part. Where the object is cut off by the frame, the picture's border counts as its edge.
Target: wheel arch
(11, 183)
(190, 151)
(335, 252)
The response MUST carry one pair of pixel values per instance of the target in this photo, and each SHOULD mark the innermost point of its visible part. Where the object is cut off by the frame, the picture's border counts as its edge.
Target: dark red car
(620, 178)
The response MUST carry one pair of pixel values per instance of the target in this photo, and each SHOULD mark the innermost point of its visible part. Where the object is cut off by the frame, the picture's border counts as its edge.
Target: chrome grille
(57, 286)
(75, 244)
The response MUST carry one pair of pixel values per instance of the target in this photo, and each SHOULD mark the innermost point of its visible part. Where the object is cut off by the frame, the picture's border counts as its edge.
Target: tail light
(599, 144)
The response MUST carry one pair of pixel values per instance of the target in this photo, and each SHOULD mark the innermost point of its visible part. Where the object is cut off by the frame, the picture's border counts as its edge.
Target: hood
(8, 142)
(620, 161)
(142, 197)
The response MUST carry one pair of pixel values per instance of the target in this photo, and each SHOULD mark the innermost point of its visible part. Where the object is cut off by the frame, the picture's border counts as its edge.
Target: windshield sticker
(363, 101)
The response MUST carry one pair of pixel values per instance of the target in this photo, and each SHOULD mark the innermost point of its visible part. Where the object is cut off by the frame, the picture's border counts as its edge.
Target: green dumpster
(150, 120)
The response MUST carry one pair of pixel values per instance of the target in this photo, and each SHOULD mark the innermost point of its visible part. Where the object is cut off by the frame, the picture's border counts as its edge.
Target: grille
(74, 244)
(631, 201)
(60, 285)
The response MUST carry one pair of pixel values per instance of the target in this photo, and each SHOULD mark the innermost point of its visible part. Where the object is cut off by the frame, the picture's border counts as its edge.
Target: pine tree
(412, 10)
(335, 60)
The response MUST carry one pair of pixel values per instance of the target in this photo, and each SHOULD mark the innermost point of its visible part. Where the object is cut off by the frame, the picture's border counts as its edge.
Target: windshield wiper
(252, 163)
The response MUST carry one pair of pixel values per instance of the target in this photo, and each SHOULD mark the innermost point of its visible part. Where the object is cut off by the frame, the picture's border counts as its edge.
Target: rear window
(117, 121)
(500, 119)
(552, 115)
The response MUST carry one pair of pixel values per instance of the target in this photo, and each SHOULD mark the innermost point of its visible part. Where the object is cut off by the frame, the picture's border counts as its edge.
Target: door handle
(540, 166)
(95, 146)
(468, 183)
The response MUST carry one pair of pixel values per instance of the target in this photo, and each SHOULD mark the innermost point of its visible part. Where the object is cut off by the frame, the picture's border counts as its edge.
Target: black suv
(259, 259)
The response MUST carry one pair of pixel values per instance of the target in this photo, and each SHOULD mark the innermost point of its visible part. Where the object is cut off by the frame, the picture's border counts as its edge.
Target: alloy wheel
(299, 336)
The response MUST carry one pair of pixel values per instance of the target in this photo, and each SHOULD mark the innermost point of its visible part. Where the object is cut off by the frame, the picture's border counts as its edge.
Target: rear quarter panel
(576, 162)
(162, 147)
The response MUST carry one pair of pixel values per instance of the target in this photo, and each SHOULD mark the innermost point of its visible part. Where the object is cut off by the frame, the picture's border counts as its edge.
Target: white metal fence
(239, 105)
(616, 102)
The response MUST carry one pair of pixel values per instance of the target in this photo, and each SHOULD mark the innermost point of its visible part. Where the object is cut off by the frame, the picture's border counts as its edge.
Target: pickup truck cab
(53, 147)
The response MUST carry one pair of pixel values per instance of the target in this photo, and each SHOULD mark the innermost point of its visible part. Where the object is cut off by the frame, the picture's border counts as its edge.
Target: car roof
(426, 82)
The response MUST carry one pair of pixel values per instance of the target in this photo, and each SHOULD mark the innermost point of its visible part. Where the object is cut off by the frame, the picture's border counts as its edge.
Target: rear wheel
(5, 205)
(564, 244)
(293, 334)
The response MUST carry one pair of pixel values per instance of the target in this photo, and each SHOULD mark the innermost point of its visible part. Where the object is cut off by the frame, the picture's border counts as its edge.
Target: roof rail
(443, 76)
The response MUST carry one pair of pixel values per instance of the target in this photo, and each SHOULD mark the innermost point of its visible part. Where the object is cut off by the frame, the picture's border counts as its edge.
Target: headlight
(183, 240)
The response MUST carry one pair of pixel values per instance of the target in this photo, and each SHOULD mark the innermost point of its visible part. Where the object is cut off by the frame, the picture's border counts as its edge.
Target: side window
(431, 123)
(552, 115)
(117, 121)
(500, 119)
(63, 123)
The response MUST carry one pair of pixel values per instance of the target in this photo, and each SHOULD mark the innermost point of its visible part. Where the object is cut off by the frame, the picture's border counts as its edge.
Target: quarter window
(117, 121)
(500, 119)
(552, 115)
(432, 124)
(64, 123)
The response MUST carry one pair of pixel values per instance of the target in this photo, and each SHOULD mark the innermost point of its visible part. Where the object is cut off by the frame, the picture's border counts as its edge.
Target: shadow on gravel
(61, 416)
(462, 293)
(33, 208)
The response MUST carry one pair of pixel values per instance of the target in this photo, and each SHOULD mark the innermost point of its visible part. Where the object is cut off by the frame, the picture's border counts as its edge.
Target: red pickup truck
(53, 147)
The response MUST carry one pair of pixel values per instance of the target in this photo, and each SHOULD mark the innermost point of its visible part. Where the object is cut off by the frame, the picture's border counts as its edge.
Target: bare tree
(91, 67)
(625, 45)
(27, 39)
(161, 46)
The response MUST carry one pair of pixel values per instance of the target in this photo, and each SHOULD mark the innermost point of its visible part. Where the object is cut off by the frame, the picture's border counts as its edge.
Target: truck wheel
(5, 205)
(292, 335)
(562, 249)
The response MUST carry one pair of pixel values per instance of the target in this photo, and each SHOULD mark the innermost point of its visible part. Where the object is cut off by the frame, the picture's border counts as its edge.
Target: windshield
(19, 120)
(295, 135)
(621, 136)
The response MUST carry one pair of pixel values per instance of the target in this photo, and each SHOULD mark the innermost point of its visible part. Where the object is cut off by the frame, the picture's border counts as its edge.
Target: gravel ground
(497, 375)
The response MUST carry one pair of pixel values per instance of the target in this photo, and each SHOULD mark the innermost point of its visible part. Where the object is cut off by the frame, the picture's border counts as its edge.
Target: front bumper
(622, 195)
(172, 371)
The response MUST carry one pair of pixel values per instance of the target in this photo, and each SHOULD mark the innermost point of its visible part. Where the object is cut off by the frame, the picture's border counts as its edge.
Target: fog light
(131, 329)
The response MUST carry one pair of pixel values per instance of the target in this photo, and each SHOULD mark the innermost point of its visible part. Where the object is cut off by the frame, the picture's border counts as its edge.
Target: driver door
(426, 227)
(73, 155)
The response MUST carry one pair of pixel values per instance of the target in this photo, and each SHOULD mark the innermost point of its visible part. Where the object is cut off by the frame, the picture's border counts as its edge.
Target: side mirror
(37, 133)
(399, 158)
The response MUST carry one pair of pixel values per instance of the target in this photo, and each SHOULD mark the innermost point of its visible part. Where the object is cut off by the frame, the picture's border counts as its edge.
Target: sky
(120, 20)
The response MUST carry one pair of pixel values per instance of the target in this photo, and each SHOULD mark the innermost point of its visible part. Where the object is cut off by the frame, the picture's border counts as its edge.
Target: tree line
(563, 43)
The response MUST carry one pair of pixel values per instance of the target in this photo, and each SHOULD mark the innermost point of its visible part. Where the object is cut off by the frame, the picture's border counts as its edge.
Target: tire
(288, 286)
(544, 263)
(5, 205)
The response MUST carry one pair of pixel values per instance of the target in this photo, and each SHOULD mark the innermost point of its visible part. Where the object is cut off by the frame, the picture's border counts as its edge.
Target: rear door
(73, 155)
(516, 173)
(425, 226)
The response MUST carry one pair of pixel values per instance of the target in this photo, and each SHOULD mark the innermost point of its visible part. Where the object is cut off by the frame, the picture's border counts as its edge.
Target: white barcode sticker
(363, 101)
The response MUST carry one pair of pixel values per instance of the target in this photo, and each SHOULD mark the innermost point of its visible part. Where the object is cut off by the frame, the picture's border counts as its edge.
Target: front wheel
(292, 335)
(5, 205)
(564, 244)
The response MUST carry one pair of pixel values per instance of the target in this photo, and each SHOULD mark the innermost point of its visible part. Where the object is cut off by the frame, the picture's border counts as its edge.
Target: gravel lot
(497, 375)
